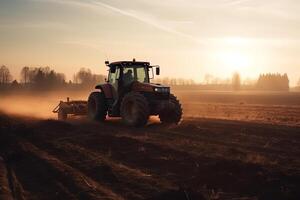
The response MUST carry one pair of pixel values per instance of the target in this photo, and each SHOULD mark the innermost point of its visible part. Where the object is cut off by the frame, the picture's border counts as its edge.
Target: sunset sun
(234, 60)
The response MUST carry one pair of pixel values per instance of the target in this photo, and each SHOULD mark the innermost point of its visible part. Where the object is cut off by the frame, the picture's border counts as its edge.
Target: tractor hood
(149, 87)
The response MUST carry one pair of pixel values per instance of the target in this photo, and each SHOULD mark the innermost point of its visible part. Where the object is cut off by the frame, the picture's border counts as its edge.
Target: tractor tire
(97, 106)
(62, 115)
(135, 109)
(173, 112)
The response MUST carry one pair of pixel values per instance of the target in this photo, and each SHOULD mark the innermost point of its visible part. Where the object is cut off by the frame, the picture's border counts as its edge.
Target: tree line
(45, 77)
(273, 82)
(5, 76)
(174, 81)
(42, 77)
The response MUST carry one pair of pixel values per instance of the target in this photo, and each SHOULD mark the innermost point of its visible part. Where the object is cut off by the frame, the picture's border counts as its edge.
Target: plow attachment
(65, 108)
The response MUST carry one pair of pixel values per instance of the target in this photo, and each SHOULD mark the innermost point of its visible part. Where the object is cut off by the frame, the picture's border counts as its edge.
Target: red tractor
(128, 93)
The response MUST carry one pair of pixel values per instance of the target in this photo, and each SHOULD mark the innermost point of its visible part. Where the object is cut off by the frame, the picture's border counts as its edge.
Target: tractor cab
(125, 74)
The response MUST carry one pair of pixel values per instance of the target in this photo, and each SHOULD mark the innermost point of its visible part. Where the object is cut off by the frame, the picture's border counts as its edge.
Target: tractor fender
(106, 89)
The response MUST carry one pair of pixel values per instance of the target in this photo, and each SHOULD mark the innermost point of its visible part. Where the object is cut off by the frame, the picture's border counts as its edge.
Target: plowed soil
(199, 159)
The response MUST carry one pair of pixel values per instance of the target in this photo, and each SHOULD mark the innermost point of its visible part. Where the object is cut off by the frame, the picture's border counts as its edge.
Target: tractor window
(113, 76)
(135, 73)
(141, 75)
(128, 75)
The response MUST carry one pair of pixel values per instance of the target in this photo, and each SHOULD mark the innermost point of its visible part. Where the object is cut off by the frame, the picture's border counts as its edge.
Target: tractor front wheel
(135, 109)
(97, 107)
(172, 113)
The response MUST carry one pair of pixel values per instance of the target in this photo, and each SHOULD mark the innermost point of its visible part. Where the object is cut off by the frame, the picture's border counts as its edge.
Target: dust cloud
(35, 104)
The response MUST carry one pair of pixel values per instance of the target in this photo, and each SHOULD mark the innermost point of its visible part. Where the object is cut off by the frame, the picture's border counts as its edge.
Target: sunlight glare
(234, 61)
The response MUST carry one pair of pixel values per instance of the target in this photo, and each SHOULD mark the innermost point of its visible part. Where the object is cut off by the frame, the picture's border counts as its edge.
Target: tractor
(129, 94)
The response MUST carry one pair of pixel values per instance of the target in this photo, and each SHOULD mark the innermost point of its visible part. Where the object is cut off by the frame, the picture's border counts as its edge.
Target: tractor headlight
(157, 89)
(162, 90)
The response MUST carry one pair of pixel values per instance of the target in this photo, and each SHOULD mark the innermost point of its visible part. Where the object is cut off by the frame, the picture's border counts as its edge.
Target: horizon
(209, 79)
(188, 39)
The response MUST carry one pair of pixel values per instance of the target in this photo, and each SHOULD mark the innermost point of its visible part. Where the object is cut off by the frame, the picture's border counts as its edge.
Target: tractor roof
(128, 63)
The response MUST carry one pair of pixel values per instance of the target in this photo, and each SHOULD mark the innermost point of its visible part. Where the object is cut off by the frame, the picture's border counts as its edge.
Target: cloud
(141, 17)
(259, 10)
(147, 20)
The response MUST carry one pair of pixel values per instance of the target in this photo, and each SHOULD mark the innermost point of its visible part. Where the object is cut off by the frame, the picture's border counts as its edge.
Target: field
(228, 146)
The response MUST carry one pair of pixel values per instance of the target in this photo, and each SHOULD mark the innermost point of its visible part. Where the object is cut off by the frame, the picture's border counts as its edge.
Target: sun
(234, 60)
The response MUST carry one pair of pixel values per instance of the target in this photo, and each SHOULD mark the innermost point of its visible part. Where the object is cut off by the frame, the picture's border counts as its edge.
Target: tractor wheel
(97, 107)
(62, 115)
(173, 112)
(135, 109)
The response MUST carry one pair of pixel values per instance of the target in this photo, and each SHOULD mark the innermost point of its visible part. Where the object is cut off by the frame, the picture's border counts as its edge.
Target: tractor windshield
(135, 73)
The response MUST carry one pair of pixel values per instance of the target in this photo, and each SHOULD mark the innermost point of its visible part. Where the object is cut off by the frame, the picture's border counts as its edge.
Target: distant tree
(61, 78)
(25, 74)
(39, 77)
(85, 77)
(5, 76)
(236, 81)
(99, 78)
(191, 82)
(174, 81)
(273, 82)
(285, 82)
(42, 77)
(298, 83)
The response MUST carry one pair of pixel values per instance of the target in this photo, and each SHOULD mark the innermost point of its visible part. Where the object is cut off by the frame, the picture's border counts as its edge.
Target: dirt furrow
(220, 149)
(5, 189)
(77, 184)
(182, 168)
(130, 183)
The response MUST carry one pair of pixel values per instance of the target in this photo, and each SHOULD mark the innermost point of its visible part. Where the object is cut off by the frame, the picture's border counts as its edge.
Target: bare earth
(230, 145)
(199, 159)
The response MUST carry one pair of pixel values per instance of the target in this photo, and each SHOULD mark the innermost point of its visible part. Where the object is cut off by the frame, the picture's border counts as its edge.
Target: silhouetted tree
(85, 77)
(273, 82)
(236, 81)
(25, 74)
(42, 77)
(298, 83)
(5, 76)
(174, 81)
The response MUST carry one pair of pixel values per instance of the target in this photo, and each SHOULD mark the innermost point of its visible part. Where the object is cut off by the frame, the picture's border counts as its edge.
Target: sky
(187, 38)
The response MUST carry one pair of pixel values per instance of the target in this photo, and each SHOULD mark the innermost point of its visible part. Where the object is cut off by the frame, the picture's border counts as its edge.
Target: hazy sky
(188, 38)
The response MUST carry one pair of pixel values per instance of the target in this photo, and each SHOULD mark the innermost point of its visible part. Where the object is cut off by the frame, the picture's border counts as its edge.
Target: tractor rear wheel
(135, 109)
(97, 107)
(173, 111)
